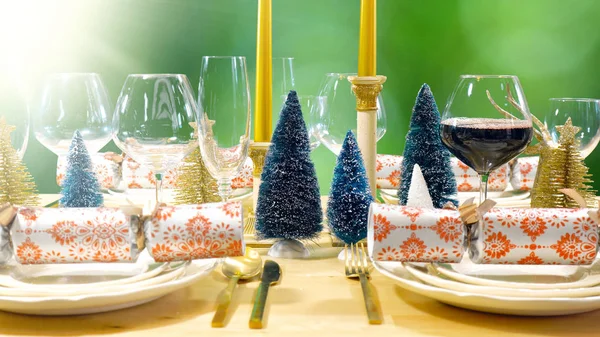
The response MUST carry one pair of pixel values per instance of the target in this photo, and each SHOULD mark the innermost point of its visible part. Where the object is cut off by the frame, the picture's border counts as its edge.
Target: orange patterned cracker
(107, 170)
(70, 235)
(535, 236)
(389, 171)
(136, 176)
(189, 232)
(400, 233)
(523, 173)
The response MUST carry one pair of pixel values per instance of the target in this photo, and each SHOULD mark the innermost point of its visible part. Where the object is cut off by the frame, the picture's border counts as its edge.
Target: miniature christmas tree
(80, 187)
(195, 184)
(289, 204)
(424, 147)
(16, 184)
(350, 195)
(418, 193)
(562, 167)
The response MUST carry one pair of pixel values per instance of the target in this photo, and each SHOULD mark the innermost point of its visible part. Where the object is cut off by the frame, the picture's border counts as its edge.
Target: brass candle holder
(366, 89)
(258, 153)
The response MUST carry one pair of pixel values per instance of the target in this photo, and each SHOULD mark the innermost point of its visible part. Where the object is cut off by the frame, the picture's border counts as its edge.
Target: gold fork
(357, 266)
(249, 225)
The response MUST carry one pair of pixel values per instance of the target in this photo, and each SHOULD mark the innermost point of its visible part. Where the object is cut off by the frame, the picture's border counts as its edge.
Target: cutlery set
(250, 265)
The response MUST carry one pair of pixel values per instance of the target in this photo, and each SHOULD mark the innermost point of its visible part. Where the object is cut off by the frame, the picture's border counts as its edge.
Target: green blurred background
(552, 45)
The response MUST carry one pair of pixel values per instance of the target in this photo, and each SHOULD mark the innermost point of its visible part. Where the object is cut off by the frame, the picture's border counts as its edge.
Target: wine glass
(153, 121)
(584, 113)
(283, 75)
(223, 117)
(340, 105)
(70, 102)
(283, 82)
(16, 113)
(486, 123)
(312, 108)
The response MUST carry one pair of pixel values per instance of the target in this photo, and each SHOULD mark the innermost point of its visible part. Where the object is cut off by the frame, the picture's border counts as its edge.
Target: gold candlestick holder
(366, 89)
(258, 153)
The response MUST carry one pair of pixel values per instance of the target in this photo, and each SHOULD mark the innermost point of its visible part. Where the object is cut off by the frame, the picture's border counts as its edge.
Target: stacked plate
(503, 289)
(90, 288)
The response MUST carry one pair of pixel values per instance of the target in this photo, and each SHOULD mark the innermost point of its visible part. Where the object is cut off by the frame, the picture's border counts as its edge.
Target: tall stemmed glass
(224, 117)
(486, 123)
(312, 109)
(584, 113)
(16, 113)
(284, 80)
(70, 102)
(340, 102)
(154, 120)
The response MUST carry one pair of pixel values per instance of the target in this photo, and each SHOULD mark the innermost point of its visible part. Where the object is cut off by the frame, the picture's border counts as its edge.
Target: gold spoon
(235, 268)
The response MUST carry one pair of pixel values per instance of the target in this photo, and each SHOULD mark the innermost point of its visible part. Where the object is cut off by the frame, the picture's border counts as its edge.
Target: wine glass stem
(483, 187)
(159, 182)
(224, 188)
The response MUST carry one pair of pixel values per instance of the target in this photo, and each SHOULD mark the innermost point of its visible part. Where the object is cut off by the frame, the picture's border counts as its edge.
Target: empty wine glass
(70, 102)
(312, 109)
(283, 76)
(340, 104)
(283, 82)
(16, 113)
(584, 113)
(224, 117)
(154, 120)
(484, 125)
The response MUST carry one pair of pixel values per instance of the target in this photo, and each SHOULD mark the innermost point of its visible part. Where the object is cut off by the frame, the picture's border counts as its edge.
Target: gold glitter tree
(562, 167)
(195, 183)
(16, 184)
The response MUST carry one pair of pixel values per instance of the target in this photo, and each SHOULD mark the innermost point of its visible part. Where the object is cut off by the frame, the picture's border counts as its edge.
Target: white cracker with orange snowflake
(190, 232)
(412, 234)
(107, 171)
(535, 236)
(72, 235)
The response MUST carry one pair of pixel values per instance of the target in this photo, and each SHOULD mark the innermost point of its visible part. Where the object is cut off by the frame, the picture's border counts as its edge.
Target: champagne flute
(154, 120)
(223, 117)
(340, 102)
(484, 125)
(584, 113)
(70, 102)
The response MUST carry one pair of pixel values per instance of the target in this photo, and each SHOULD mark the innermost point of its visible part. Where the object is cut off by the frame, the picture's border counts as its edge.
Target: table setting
(210, 217)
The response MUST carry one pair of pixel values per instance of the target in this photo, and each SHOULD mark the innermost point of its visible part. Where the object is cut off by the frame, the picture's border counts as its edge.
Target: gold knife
(271, 275)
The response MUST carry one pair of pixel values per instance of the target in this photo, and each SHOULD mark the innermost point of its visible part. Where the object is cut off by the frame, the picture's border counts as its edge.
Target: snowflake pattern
(71, 236)
(192, 232)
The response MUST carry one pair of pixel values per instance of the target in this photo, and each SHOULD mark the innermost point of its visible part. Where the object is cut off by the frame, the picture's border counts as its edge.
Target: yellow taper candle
(264, 74)
(367, 46)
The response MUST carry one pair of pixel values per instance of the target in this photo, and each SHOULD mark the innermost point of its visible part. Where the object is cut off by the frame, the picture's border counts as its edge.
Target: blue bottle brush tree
(80, 187)
(350, 195)
(424, 147)
(289, 203)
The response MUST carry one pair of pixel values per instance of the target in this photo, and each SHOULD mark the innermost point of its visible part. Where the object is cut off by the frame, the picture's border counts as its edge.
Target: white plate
(522, 306)
(102, 302)
(508, 198)
(176, 272)
(79, 275)
(423, 274)
(522, 276)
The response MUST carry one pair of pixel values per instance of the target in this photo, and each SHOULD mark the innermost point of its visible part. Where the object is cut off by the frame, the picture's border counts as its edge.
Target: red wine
(485, 144)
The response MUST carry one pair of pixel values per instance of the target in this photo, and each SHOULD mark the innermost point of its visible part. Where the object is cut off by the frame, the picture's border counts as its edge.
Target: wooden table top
(313, 296)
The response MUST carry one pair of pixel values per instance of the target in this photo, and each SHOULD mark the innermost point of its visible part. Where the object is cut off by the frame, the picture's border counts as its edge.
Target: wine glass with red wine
(486, 123)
